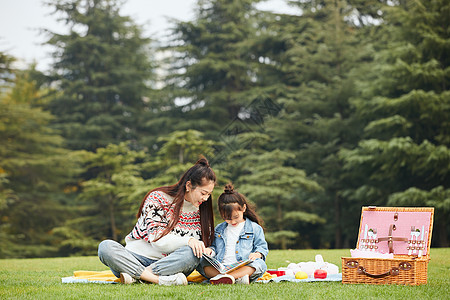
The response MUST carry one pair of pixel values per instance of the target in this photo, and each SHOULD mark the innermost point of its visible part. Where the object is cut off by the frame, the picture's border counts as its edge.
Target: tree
(110, 196)
(34, 169)
(120, 177)
(310, 63)
(102, 68)
(185, 145)
(6, 70)
(278, 189)
(404, 157)
(178, 151)
(6, 74)
(213, 73)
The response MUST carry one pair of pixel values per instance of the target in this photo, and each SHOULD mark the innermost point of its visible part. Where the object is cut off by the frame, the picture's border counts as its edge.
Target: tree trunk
(283, 243)
(112, 219)
(181, 155)
(279, 215)
(443, 237)
(337, 222)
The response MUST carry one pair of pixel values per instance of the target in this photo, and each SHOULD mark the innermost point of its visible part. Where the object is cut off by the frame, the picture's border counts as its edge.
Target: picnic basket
(405, 232)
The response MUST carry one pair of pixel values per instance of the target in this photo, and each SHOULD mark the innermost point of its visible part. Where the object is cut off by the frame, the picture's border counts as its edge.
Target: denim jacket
(251, 239)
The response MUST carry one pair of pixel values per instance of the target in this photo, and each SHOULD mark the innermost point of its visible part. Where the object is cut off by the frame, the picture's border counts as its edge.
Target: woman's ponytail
(203, 161)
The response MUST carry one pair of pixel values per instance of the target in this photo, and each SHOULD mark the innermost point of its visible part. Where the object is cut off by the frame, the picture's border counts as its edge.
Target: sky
(21, 21)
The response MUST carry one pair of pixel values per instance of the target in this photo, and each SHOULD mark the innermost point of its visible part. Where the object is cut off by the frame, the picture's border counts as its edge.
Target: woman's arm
(170, 242)
(153, 221)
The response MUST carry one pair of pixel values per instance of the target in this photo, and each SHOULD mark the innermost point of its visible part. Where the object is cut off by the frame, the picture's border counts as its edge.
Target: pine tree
(178, 151)
(6, 70)
(109, 198)
(310, 63)
(101, 67)
(34, 168)
(214, 69)
(185, 145)
(264, 174)
(278, 190)
(120, 177)
(404, 158)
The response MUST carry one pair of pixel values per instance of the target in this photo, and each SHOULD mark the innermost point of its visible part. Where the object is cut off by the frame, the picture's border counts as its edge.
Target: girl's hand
(209, 251)
(254, 255)
(198, 247)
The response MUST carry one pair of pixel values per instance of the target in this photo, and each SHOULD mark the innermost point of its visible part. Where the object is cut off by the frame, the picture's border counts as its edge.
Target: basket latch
(405, 266)
(352, 264)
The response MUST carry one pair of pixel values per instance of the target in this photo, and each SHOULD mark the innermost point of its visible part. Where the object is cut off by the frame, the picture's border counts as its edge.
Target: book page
(225, 269)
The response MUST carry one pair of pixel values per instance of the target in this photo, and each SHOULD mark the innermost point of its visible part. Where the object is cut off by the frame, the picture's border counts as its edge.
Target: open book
(225, 269)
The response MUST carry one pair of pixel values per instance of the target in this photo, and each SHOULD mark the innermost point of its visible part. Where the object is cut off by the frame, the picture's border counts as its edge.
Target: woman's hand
(254, 255)
(198, 247)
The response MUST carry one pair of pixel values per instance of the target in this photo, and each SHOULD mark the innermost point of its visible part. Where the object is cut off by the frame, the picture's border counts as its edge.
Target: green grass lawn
(41, 279)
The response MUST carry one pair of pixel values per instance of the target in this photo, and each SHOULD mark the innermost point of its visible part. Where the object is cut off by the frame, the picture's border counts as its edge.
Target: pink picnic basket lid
(399, 230)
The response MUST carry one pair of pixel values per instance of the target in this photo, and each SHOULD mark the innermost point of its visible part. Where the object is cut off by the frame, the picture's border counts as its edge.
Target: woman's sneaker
(243, 280)
(222, 279)
(126, 278)
(177, 279)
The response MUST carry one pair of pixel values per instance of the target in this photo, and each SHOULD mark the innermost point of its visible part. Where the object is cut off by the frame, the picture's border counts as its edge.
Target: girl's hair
(199, 174)
(230, 199)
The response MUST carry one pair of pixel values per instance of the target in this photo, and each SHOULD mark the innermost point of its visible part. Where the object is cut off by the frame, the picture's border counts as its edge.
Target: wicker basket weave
(402, 269)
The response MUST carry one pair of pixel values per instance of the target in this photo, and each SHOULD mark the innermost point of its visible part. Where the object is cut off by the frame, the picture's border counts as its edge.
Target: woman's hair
(230, 200)
(199, 174)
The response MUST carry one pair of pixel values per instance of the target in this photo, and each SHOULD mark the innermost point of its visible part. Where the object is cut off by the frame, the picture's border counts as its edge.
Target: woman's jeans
(121, 260)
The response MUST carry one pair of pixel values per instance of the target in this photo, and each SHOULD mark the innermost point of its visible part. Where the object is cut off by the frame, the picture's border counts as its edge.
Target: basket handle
(392, 272)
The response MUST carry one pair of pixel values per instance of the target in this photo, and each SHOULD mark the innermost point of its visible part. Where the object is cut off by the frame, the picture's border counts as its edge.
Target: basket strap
(392, 272)
(390, 239)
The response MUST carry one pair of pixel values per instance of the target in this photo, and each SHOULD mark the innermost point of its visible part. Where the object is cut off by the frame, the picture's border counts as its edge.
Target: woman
(175, 225)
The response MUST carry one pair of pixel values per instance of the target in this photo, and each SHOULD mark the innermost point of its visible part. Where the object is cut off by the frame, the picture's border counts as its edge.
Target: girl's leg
(245, 270)
(206, 270)
(254, 270)
(210, 271)
(260, 268)
(181, 260)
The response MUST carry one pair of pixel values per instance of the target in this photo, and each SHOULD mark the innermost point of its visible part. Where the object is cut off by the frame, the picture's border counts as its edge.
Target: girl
(240, 237)
(175, 224)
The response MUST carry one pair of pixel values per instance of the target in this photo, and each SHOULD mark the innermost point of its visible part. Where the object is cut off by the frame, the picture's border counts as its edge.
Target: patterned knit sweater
(155, 217)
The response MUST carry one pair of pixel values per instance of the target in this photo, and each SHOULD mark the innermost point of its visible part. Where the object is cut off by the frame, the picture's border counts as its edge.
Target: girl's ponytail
(230, 198)
(229, 189)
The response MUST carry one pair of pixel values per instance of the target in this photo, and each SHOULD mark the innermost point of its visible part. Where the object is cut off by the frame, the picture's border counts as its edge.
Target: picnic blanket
(91, 276)
(108, 277)
(291, 278)
(195, 277)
